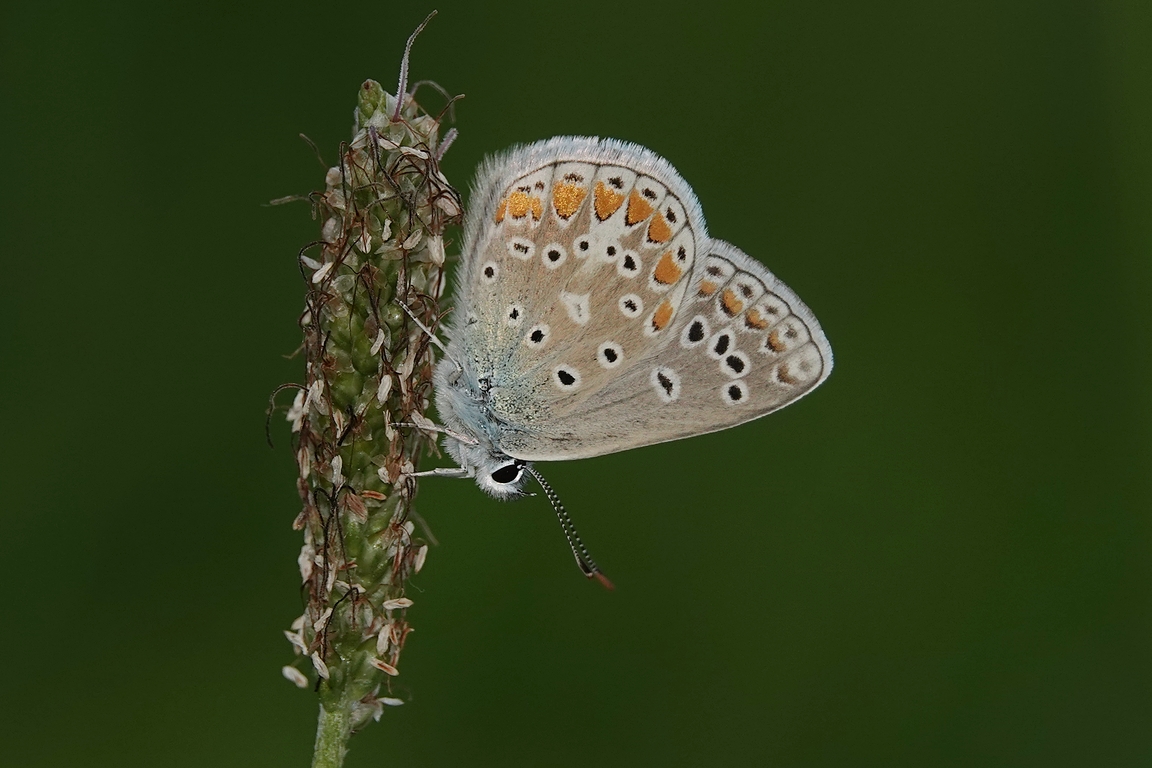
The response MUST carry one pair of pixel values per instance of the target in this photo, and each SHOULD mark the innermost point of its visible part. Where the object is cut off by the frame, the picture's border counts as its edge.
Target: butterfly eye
(509, 473)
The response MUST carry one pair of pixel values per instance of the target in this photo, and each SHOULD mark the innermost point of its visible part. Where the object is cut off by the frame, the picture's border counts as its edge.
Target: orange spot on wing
(752, 319)
(784, 376)
(731, 304)
(520, 204)
(566, 199)
(662, 316)
(774, 342)
(707, 288)
(607, 202)
(658, 230)
(667, 271)
(501, 210)
(638, 209)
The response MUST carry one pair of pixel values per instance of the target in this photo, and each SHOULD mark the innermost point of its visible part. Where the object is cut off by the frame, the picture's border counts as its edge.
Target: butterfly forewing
(604, 316)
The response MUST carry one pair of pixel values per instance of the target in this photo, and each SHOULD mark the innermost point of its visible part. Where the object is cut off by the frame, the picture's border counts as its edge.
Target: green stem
(332, 734)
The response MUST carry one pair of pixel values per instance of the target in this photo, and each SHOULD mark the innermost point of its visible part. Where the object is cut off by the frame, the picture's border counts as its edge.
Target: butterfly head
(498, 474)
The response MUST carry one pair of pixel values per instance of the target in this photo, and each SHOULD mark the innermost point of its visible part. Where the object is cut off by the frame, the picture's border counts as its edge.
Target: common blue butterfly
(594, 313)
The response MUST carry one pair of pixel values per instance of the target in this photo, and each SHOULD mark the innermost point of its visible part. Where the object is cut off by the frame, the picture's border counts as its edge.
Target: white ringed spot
(566, 378)
(734, 392)
(735, 364)
(695, 332)
(537, 335)
(521, 247)
(629, 265)
(666, 382)
(610, 355)
(631, 305)
(720, 344)
(611, 253)
(553, 255)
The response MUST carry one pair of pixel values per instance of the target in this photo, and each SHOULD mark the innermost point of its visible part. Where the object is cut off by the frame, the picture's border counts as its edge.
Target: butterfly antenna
(584, 560)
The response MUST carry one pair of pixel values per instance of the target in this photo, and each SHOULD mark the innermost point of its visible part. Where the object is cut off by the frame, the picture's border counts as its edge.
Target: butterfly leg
(430, 426)
(431, 336)
(457, 472)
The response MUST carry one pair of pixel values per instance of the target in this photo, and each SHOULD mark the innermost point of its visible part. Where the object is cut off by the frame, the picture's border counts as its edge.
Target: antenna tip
(604, 582)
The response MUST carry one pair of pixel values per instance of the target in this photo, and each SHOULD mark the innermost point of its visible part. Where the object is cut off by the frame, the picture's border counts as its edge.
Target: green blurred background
(939, 558)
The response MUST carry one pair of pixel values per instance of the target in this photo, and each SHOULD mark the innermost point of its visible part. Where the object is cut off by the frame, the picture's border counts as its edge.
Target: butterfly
(594, 314)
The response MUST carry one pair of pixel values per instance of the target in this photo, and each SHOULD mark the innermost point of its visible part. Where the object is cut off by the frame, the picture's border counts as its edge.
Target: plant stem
(332, 732)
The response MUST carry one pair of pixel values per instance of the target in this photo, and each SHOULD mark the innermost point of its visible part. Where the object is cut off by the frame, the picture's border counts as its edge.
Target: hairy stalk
(368, 381)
